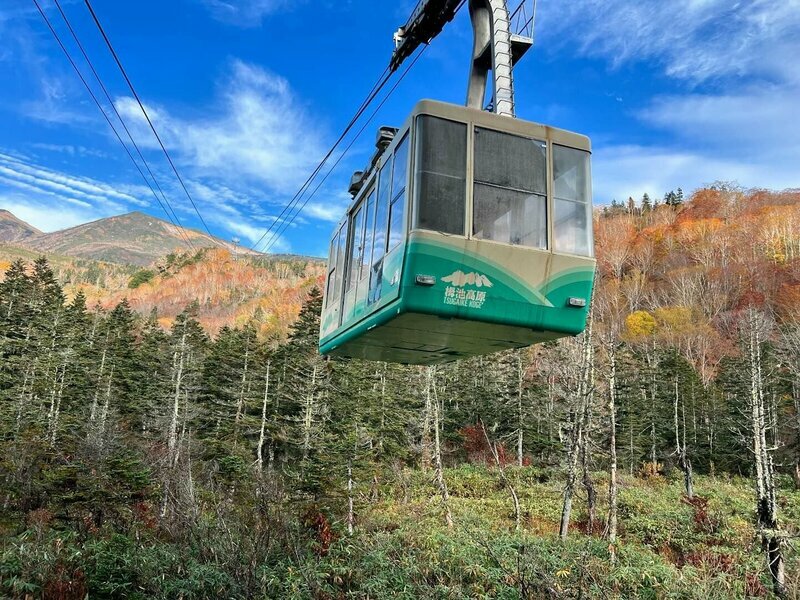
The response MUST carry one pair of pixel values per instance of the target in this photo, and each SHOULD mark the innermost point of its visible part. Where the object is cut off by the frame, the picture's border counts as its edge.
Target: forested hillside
(229, 289)
(657, 455)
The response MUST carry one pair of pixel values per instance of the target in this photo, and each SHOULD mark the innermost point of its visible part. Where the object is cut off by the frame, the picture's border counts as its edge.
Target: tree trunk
(612, 447)
(680, 449)
(588, 484)
(96, 400)
(520, 414)
(308, 416)
(178, 363)
(350, 514)
(242, 387)
(505, 481)
(571, 475)
(427, 418)
(437, 449)
(576, 440)
(766, 501)
(57, 407)
(101, 428)
(383, 408)
(260, 449)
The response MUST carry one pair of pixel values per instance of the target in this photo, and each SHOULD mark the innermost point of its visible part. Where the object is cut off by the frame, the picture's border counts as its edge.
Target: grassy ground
(401, 547)
(668, 548)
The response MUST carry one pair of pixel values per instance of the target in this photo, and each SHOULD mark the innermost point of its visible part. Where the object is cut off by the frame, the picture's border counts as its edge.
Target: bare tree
(575, 439)
(261, 436)
(680, 449)
(433, 400)
(756, 328)
(503, 478)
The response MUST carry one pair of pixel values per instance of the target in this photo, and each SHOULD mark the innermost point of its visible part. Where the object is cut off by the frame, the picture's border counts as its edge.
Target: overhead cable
(107, 118)
(119, 116)
(376, 88)
(147, 117)
(283, 228)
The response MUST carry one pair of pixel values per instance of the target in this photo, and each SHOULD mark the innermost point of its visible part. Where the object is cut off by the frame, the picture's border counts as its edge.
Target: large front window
(572, 201)
(440, 195)
(510, 189)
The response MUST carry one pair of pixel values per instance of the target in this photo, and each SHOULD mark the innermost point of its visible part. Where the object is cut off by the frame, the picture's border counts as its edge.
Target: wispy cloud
(764, 117)
(243, 13)
(260, 131)
(695, 40)
(70, 150)
(632, 170)
(733, 112)
(41, 214)
(22, 174)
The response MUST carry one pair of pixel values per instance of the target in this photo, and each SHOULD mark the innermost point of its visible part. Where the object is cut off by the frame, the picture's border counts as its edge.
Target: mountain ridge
(14, 229)
(134, 238)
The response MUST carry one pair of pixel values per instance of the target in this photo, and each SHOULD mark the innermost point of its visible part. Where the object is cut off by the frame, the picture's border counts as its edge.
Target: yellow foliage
(678, 319)
(640, 324)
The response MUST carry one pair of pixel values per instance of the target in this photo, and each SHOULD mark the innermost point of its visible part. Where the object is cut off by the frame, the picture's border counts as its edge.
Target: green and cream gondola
(469, 233)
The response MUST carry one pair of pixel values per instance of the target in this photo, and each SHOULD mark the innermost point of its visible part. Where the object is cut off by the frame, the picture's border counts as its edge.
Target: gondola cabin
(469, 233)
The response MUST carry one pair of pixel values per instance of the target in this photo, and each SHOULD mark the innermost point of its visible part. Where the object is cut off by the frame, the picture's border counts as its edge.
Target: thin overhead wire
(283, 228)
(376, 88)
(147, 117)
(122, 121)
(105, 115)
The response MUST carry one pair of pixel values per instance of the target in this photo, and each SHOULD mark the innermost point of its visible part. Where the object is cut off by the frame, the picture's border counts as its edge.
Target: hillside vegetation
(657, 455)
(229, 289)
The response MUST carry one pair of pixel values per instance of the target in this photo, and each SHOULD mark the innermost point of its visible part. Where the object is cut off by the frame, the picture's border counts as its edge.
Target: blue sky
(249, 94)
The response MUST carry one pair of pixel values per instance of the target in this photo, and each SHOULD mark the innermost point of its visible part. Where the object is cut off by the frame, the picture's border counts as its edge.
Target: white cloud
(70, 150)
(764, 118)
(243, 13)
(330, 212)
(23, 174)
(738, 58)
(622, 171)
(694, 40)
(43, 214)
(261, 132)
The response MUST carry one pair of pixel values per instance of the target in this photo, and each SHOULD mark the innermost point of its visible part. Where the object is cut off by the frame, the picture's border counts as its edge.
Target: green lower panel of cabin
(453, 299)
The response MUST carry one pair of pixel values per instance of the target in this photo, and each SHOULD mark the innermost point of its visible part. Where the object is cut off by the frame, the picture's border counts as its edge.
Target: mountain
(13, 229)
(133, 238)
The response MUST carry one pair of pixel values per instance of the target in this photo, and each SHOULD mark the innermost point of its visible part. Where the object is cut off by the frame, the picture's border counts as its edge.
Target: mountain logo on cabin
(460, 279)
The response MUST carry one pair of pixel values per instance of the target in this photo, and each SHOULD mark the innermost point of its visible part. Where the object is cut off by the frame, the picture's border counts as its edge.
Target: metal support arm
(495, 48)
(491, 51)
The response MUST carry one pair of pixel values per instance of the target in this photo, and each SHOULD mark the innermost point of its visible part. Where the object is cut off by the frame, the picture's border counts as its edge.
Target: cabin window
(332, 257)
(356, 247)
(440, 190)
(381, 227)
(572, 191)
(398, 206)
(510, 189)
(341, 254)
(369, 236)
(382, 211)
(396, 220)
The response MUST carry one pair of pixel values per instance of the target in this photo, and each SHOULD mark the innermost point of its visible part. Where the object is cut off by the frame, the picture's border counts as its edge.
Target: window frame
(472, 181)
